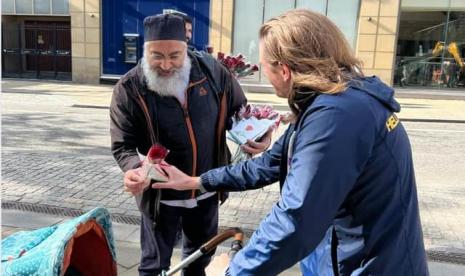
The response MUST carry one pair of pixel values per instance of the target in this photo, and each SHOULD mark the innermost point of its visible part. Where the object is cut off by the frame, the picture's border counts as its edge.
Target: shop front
(431, 45)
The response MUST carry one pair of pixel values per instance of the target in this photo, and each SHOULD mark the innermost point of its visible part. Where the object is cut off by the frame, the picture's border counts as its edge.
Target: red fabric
(88, 252)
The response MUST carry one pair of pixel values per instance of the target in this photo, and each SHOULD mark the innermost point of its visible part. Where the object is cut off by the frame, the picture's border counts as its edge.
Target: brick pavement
(66, 152)
(57, 154)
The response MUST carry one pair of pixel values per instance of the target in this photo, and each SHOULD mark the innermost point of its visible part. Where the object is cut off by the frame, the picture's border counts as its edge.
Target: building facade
(416, 43)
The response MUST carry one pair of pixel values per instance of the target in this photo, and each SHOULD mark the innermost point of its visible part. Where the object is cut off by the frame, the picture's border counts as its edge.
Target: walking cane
(209, 246)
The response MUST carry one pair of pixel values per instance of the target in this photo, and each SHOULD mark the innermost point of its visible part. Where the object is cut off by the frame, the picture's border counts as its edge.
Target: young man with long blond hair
(345, 165)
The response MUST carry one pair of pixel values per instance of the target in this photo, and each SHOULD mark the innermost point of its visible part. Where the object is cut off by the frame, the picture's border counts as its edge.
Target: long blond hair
(318, 55)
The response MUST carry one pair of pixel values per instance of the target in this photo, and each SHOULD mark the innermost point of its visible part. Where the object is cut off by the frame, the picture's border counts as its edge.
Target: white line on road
(436, 130)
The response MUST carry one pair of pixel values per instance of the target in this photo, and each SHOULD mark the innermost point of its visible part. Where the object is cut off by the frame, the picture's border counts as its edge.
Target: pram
(80, 246)
(236, 245)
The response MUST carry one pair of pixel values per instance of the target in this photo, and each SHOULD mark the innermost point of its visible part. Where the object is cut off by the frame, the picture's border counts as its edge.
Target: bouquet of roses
(156, 154)
(251, 122)
(237, 65)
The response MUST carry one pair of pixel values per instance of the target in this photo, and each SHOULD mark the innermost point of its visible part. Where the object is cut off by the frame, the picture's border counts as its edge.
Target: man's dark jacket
(194, 133)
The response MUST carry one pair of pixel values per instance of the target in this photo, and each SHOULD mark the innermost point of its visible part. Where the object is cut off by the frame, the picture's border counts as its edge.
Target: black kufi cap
(164, 27)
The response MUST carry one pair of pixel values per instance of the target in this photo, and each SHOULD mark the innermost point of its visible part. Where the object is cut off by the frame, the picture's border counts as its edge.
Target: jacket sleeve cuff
(132, 163)
(207, 183)
(202, 188)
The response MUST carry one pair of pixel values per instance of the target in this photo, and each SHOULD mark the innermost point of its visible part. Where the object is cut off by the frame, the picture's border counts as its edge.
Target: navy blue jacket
(350, 169)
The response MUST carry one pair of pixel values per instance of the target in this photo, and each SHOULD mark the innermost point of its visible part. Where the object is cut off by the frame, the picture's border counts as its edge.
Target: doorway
(36, 49)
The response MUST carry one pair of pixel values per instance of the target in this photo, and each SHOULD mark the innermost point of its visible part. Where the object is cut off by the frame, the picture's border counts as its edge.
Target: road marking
(436, 130)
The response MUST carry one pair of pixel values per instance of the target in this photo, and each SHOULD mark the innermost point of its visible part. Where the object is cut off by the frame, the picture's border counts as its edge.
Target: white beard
(174, 85)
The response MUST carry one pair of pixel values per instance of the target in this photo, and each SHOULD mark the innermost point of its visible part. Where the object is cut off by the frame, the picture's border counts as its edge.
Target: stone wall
(377, 36)
(221, 20)
(85, 40)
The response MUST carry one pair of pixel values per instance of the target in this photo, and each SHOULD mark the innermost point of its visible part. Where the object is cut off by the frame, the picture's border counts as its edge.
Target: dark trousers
(199, 224)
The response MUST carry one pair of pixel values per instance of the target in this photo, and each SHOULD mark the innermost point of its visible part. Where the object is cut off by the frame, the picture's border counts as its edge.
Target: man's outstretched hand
(176, 179)
(256, 147)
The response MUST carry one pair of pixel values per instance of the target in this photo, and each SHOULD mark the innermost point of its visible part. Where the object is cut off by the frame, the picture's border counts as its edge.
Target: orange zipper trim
(147, 117)
(194, 147)
(195, 83)
(220, 129)
(221, 118)
(191, 134)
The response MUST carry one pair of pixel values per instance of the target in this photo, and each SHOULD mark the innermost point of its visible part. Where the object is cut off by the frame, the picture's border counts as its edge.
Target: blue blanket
(41, 252)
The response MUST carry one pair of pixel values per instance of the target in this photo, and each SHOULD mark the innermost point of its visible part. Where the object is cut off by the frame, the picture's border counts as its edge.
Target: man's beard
(173, 85)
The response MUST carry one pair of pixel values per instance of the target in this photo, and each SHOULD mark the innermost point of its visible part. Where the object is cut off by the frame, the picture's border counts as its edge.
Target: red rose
(157, 153)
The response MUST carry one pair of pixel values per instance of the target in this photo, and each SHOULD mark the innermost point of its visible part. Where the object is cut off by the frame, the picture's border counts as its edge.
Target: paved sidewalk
(126, 239)
(55, 153)
(128, 249)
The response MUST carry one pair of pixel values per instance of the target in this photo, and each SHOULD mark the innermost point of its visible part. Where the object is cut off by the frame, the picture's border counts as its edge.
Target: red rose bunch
(237, 65)
(257, 111)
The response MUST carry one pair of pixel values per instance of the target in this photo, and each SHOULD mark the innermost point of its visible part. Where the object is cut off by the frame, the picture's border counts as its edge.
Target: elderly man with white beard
(183, 100)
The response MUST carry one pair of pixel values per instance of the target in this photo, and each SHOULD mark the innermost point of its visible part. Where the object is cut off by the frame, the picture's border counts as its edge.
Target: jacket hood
(374, 87)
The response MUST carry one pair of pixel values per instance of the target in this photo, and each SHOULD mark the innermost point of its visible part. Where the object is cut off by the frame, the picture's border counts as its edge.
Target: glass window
(8, 6)
(23, 6)
(316, 6)
(247, 21)
(277, 7)
(419, 48)
(344, 13)
(60, 6)
(430, 49)
(42, 6)
(453, 65)
(249, 15)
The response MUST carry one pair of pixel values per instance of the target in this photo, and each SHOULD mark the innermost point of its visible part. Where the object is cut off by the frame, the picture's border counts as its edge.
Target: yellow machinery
(418, 68)
(451, 48)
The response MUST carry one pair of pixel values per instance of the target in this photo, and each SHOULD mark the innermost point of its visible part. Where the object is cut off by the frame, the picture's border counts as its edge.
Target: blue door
(123, 32)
